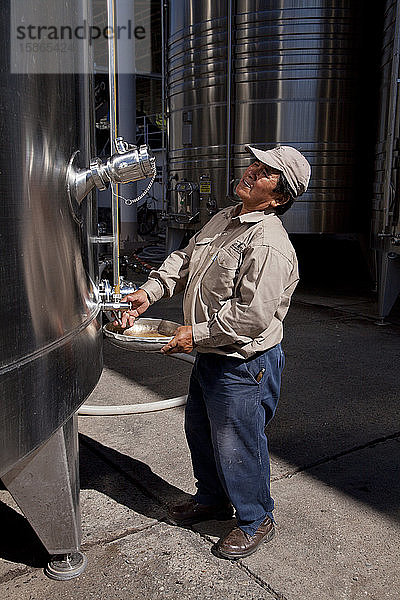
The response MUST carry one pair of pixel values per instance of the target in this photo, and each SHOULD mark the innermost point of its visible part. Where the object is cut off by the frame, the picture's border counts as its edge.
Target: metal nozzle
(129, 164)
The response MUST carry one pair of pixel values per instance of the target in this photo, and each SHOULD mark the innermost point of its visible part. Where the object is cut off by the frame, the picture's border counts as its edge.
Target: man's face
(256, 187)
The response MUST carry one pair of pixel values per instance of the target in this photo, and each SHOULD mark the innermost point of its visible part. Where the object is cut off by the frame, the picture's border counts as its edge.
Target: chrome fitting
(127, 165)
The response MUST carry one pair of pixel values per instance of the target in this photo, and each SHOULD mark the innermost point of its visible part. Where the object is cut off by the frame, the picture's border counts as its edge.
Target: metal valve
(127, 165)
(394, 237)
(110, 301)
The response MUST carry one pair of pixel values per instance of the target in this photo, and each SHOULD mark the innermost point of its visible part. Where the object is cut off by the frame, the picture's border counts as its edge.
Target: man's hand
(182, 342)
(140, 303)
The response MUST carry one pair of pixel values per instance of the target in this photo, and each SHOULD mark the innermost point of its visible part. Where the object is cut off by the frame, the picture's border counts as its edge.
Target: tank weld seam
(52, 345)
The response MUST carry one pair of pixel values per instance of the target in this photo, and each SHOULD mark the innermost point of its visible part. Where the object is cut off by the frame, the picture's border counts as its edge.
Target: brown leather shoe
(238, 544)
(191, 512)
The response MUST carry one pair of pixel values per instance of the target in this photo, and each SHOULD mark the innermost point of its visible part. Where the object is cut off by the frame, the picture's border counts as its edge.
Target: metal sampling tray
(146, 335)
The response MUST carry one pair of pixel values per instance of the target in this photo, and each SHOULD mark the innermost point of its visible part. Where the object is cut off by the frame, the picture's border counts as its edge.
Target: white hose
(133, 409)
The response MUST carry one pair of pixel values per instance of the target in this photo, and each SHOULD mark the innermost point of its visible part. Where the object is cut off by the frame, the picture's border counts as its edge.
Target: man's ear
(280, 202)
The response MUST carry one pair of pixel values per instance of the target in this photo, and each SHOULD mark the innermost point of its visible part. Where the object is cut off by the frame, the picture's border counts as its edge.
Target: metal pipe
(229, 100)
(113, 135)
(111, 306)
(126, 96)
(163, 178)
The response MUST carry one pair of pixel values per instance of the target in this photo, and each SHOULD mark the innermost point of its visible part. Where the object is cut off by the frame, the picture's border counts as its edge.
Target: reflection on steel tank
(51, 341)
(266, 73)
(385, 225)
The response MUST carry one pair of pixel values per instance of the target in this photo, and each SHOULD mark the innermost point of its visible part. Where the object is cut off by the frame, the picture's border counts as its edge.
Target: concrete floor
(335, 446)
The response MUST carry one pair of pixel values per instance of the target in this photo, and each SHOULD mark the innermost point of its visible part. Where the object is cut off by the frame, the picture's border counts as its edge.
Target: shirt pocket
(219, 279)
(199, 250)
(228, 259)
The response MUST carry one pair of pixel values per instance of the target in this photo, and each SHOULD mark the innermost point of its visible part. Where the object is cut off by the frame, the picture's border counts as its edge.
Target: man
(238, 274)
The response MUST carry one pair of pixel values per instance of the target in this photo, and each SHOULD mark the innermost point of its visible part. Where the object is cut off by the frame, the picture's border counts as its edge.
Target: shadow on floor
(121, 477)
(18, 542)
(112, 473)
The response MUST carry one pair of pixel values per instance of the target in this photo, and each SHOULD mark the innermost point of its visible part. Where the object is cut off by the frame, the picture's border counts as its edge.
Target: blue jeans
(226, 413)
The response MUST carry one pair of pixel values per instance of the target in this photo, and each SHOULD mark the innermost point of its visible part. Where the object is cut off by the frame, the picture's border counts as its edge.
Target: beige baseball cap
(290, 162)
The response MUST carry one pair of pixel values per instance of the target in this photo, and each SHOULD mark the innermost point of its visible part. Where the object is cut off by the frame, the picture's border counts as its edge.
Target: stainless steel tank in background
(268, 72)
(386, 200)
(51, 340)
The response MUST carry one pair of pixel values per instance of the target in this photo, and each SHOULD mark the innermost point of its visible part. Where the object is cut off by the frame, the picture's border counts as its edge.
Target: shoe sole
(237, 556)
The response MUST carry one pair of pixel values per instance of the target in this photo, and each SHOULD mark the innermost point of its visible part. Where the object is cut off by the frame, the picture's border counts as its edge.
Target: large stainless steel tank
(50, 342)
(267, 72)
(386, 202)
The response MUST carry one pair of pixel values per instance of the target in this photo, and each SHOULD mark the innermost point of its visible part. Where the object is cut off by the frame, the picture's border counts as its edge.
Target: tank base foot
(66, 566)
(381, 322)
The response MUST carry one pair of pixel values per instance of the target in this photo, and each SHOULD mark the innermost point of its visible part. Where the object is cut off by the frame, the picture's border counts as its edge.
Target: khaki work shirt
(238, 274)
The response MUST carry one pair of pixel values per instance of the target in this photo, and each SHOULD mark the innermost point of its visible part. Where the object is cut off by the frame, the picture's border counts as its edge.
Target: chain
(130, 201)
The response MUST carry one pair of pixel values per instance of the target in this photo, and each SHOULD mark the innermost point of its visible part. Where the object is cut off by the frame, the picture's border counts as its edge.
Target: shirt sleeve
(266, 281)
(171, 277)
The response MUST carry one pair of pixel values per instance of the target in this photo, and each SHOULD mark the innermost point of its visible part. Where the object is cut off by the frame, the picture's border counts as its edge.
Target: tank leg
(389, 287)
(45, 485)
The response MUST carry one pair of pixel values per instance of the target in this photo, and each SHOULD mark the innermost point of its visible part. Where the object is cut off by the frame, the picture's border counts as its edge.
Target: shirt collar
(252, 217)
